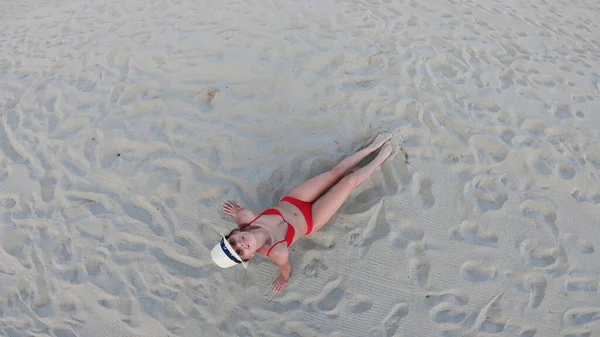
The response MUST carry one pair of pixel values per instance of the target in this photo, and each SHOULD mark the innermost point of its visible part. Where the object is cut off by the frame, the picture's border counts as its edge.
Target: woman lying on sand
(305, 210)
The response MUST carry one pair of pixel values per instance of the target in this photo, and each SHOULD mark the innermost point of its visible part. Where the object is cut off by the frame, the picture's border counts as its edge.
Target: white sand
(126, 123)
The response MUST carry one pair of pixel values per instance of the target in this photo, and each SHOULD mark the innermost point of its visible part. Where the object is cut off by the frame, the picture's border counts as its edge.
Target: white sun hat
(224, 255)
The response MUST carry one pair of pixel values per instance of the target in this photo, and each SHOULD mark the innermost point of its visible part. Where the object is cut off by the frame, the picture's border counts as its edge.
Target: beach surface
(125, 124)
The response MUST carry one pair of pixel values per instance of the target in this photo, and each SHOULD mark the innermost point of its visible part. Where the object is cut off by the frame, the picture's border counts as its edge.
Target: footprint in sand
(421, 190)
(546, 80)
(410, 231)
(62, 252)
(405, 233)
(561, 110)
(582, 196)
(391, 322)
(441, 69)
(536, 255)
(565, 170)
(445, 313)
(533, 126)
(506, 78)
(245, 328)
(536, 283)
(70, 304)
(490, 319)
(153, 306)
(376, 229)
(15, 243)
(583, 284)
(477, 271)
(485, 193)
(48, 185)
(312, 268)
(518, 329)
(357, 304)
(144, 216)
(455, 296)
(327, 302)
(580, 316)
(488, 150)
(8, 202)
(542, 161)
(592, 155)
(473, 232)
(542, 211)
(418, 264)
(582, 245)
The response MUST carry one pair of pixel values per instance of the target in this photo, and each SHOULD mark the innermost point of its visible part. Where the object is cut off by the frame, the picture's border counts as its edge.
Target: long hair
(233, 231)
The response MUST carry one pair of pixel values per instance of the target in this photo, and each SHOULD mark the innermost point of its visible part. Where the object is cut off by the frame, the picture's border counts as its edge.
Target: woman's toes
(386, 150)
(381, 138)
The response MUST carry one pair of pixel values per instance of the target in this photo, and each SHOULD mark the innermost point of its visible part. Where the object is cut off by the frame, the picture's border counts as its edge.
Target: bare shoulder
(243, 218)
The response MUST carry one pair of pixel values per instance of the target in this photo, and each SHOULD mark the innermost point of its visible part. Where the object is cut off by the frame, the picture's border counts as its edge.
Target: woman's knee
(337, 172)
(352, 180)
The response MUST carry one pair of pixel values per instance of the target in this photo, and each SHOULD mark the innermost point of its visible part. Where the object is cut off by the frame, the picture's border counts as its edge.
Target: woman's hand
(280, 284)
(231, 208)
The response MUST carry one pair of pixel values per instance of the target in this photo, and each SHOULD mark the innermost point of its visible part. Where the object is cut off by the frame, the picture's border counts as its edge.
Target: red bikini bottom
(305, 208)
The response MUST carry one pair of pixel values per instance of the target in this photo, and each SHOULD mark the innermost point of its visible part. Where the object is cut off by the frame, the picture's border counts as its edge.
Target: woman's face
(243, 244)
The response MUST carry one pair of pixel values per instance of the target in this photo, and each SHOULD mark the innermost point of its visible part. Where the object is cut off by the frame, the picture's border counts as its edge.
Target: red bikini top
(289, 237)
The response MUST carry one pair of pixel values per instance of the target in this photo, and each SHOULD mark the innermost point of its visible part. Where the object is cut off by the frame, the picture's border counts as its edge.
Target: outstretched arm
(282, 260)
(242, 216)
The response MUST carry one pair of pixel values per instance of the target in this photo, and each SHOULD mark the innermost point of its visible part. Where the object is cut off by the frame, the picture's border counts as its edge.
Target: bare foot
(364, 173)
(385, 151)
(381, 138)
